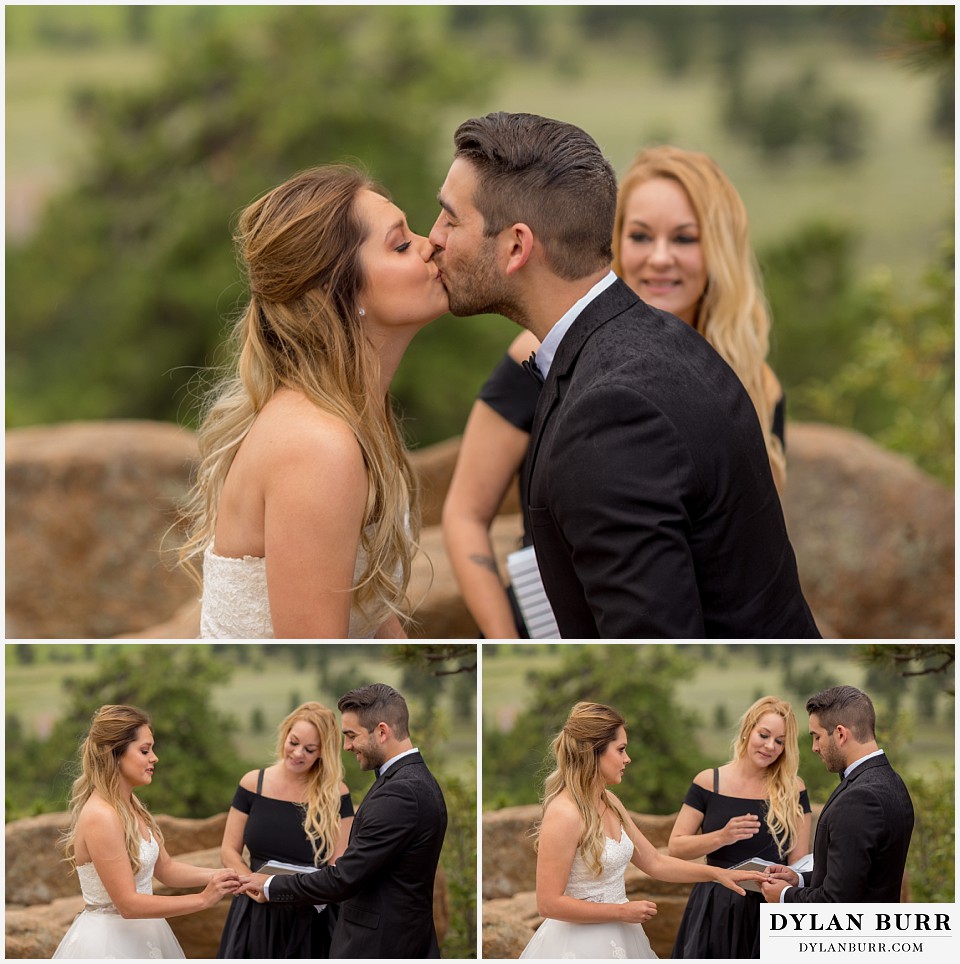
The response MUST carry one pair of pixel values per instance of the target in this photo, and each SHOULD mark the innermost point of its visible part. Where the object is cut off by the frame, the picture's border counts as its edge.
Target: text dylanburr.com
(857, 932)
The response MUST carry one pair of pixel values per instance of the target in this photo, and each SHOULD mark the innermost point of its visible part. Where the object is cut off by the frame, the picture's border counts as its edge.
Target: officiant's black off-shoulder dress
(274, 831)
(718, 923)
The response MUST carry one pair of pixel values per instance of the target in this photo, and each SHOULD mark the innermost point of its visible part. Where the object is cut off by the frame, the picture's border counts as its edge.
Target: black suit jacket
(384, 881)
(648, 489)
(860, 848)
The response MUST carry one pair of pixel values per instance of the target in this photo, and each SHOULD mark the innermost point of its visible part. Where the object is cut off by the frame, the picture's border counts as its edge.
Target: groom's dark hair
(549, 175)
(378, 703)
(847, 706)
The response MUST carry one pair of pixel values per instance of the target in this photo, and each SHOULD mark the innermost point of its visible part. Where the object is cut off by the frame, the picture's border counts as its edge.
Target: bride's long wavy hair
(300, 247)
(784, 814)
(112, 729)
(321, 821)
(589, 730)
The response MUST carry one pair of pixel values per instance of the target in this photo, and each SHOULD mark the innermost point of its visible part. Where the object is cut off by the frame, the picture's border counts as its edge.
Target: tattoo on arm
(486, 562)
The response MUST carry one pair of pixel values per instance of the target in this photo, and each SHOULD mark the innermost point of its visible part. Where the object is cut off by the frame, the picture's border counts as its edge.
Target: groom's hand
(252, 886)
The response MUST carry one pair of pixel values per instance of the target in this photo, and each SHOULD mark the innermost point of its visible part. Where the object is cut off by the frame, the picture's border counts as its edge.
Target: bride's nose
(425, 246)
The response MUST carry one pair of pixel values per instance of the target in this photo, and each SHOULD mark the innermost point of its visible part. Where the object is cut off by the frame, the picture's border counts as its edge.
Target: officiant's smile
(302, 747)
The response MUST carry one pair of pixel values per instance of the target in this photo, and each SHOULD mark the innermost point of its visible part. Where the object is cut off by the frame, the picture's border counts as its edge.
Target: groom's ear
(520, 246)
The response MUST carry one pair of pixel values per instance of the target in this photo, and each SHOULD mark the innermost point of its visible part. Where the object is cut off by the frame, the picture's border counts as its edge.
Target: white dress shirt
(550, 344)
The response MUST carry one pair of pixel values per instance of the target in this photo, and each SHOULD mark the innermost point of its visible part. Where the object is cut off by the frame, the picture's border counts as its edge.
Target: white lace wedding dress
(235, 604)
(557, 939)
(100, 932)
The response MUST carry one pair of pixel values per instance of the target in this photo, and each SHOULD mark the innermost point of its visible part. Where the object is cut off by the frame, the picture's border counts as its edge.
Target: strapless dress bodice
(609, 887)
(235, 603)
(95, 895)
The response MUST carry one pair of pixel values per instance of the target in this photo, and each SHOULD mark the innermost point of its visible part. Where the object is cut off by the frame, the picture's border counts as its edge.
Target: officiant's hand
(740, 828)
(252, 886)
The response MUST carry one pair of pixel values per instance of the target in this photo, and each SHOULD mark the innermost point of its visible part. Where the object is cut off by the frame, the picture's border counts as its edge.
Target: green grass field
(726, 685)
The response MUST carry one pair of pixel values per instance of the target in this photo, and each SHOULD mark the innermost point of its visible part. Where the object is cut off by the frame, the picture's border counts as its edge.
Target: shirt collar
(857, 763)
(548, 349)
(393, 759)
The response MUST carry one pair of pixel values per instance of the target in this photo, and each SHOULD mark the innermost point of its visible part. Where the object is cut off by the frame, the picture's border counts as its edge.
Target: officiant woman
(297, 811)
(753, 806)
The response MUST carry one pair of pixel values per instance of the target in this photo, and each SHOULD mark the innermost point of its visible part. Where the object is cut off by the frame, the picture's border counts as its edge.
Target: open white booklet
(274, 867)
(804, 864)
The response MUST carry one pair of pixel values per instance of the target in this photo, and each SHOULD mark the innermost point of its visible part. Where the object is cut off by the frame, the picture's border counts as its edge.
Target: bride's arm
(315, 493)
(103, 835)
(661, 867)
(559, 833)
(176, 873)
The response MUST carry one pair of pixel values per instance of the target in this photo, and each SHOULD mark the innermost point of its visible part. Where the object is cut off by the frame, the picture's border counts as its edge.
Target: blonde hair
(300, 244)
(321, 821)
(784, 813)
(732, 314)
(589, 730)
(112, 729)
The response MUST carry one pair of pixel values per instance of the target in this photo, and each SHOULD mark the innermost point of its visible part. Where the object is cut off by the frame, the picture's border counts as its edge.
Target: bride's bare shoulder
(562, 813)
(291, 428)
(98, 817)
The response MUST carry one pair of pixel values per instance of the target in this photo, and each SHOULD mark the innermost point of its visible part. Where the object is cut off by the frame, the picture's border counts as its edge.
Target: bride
(116, 848)
(585, 841)
(301, 513)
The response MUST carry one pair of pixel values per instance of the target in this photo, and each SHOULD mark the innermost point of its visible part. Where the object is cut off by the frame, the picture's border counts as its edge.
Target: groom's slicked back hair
(378, 703)
(546, 174)
(847, 706)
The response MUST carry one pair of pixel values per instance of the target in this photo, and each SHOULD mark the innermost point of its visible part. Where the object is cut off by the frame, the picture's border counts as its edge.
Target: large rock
(504, 933)
(88, 504)
(874, 536)
(433, 467)
(35, 932)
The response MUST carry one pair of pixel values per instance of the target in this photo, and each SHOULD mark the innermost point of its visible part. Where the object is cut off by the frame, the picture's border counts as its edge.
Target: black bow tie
(532, 369)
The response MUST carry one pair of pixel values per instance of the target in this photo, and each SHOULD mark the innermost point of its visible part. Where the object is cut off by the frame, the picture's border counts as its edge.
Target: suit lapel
(609, 303)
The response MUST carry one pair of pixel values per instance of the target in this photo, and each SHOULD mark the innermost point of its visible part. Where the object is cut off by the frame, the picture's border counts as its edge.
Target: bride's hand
(221, 883)
(730, 877)
(638, 911)
(252, 886)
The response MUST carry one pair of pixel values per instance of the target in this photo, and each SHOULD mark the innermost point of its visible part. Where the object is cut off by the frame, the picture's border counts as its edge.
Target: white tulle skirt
(108, 936)
(559, 939)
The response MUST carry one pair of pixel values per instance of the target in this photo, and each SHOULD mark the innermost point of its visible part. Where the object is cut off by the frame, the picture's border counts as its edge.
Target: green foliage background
(122, 294)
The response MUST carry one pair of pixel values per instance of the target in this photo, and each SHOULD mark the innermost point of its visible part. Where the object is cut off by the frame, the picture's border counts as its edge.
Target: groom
(863, 834)
(384, 880)
(646, 486)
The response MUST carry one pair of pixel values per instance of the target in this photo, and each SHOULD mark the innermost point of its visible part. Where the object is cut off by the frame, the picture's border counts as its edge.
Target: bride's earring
(362, 313)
